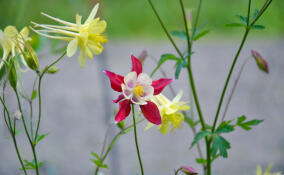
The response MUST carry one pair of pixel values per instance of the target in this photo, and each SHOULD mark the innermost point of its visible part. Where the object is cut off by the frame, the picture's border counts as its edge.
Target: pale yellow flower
(88, 36)
(170, 111)
(11, 40)
(267, 172)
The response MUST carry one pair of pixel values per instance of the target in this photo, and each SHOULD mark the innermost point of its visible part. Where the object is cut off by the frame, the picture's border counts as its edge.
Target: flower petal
(136, 65)
(124, 110)
(82, 57)
(126, 91)
(151, 113)
(119, 98)
(144, 79)
(72, 47)
(130, 79)
(92, 14)
(115, 80)
(160, 84)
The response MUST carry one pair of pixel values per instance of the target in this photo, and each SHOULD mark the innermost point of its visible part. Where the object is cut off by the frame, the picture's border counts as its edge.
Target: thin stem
(27, 133)
(186, 27)
(113, 141)
(234, 88)
(136, 141)
(248, 16)
(208, 153)
(13, 136)
(196, 20)
(265, 6)
(165, 29)
(178, 170)
(39, 91)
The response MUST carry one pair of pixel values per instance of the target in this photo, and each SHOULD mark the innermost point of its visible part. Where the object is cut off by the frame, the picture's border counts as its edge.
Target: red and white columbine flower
(137, 88)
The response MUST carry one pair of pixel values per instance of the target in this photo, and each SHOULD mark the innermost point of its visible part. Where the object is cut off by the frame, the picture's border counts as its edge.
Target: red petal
(119, 98)
(124, 110)
(115, 80)
(136, 65)
(151, 113)
(160, 84)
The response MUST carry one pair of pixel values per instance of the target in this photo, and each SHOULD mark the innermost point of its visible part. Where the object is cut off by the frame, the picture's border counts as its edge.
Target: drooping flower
(12, 41)
(260, 61)
(137, 88)
(188, 170)
(88, 36)
(267, 171)
(170, 111)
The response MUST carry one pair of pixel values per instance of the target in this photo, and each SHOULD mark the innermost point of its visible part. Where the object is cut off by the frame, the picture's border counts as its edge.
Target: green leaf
(53, 70)
(98, 160)
(243, 19)
(121, 125)
(163, 59)
(95, 155)
(235, 25)
(34, 94)
(220, 144)
(189, 121)
(199, 136)
(247, 125)
(201, 34)
(256, 11)
(258, 27)
(13, 79)
(224, 127)
(201, 161)
(40, 137)
(179, 34)
(178, 69)
(3, 71)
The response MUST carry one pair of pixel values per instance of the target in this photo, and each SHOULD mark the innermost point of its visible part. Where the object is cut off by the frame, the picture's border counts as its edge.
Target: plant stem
(178, 170)
(208, 156)
(39, 91)
(234, 88)
(165, 29)
(13, 136)
(113, 141)
(27, 133)
(136, 140)
(196, 21)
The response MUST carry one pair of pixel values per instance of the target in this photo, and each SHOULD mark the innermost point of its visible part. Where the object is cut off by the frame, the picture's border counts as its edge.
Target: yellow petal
(178, 97)
(82, 57)
(92, 14)
(97, 49)
(78, 21)
(25, 32)
(164, 128)
(98, 27)
(72, 47)
(258, 170)
(10, 31)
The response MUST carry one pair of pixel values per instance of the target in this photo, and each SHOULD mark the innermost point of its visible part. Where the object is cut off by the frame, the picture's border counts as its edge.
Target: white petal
(72, 47)
(92, 14)
(127, 92)
(130, 79)
(138, 100)
(148, 92)
(144, 79)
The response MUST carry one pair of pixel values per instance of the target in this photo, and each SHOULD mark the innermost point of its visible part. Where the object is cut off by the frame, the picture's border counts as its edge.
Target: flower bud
(260, 61)
(17, 115)
(143, 56)
(188, 170)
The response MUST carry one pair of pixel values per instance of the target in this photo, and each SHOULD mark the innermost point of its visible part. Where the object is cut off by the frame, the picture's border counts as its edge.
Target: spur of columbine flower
(170, 112)
(188, 170)
(12, 41)
(88, 36)
(137, 88)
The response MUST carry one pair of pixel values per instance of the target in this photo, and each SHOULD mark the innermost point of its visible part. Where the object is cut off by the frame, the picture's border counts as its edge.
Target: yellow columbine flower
(170, 112)
(11, 40)
(88, 36)
(267, 172)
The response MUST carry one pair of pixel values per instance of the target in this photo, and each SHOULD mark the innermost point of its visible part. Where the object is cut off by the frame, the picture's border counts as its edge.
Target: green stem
(13, 136)
(208, 155)
(196, 20)
(178, 170)
(186, 27)
(136, 141)
(27, 133)
(39, 91)
(165, 29)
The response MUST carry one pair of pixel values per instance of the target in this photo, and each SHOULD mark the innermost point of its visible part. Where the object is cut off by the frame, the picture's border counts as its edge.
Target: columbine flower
(137, 88)
(260, 61)
(11, 41)
(170, 112)
(267, 172)
(188, 170)
(88, 36)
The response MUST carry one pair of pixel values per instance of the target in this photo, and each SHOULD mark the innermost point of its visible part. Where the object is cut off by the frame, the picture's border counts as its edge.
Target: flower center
(138, 90)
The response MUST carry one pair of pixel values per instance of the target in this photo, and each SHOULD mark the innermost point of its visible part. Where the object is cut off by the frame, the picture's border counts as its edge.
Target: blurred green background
(128, 19)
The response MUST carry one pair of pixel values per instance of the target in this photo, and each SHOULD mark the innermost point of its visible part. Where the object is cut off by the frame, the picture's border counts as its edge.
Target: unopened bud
(18, 115)
(143, 56)
(188, 170)
(260, 61)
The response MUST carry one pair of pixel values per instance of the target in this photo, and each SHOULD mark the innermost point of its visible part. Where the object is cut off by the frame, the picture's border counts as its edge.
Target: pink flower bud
(260, 61)
(188, 170)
